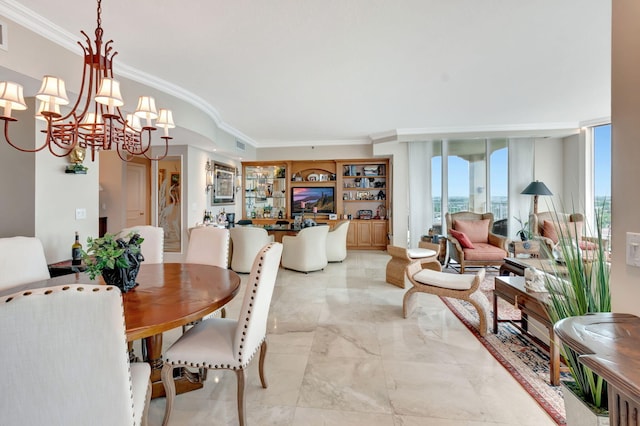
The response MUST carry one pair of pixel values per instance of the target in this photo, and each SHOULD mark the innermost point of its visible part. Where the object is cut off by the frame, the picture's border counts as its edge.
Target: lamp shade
(536, 188)
(53, 91)
(109, 93)
(146, 108)
(11, 97)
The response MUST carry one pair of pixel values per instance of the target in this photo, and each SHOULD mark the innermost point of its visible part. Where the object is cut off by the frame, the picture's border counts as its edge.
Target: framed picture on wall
(224, 178)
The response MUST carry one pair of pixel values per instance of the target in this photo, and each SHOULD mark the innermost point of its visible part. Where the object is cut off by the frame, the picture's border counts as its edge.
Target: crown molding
(269, 143)
(484, 131)
(47, 29)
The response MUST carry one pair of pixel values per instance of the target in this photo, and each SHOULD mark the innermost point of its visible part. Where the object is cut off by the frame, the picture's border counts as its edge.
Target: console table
(609, 344)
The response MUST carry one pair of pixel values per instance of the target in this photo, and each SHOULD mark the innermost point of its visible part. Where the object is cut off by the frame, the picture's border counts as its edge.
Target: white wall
(550, 168)
(625, 95)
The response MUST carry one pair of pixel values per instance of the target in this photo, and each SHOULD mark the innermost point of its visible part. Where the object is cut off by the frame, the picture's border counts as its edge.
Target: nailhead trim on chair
(228, 366)
(95, 289)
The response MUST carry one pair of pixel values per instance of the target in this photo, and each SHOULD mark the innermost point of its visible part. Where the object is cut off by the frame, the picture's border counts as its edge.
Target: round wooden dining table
(168, 295)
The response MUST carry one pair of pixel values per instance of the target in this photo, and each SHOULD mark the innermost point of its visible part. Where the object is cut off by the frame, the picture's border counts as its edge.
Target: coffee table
(531, 304)
(517, 265)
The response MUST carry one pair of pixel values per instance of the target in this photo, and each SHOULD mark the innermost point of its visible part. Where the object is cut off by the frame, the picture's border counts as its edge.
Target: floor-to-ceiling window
(473, 175)
(602, 174)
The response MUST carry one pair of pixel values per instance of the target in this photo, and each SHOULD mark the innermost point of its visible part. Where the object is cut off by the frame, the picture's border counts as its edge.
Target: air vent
(4, 45)
(241, 146)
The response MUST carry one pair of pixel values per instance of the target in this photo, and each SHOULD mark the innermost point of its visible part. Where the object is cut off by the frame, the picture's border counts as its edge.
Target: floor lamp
(536, 188)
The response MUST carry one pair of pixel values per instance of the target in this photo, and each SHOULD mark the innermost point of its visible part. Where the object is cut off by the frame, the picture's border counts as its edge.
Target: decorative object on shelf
(117, 260)
(365, 214)
(76, 157)
(536, 188)
(208, 168)
(333, 216)
(95, 120)
(224, 177)
(313, 177)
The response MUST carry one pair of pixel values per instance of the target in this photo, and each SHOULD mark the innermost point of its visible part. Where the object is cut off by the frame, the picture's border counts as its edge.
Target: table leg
(495, 313)
(554, 358)
(153, 351)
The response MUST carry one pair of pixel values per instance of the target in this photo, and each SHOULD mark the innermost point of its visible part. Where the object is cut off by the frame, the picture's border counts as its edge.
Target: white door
(137, 195)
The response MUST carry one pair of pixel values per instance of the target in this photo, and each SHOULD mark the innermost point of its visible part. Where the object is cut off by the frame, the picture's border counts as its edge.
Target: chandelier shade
(11, 97)
(95, 122)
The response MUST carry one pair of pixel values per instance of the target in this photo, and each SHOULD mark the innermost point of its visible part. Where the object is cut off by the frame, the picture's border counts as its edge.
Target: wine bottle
(76, 251)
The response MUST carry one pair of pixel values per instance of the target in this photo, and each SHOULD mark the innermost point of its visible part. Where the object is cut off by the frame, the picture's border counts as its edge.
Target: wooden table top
(609, 344)
(168, 295)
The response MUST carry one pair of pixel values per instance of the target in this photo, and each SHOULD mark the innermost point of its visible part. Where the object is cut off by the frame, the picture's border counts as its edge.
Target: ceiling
(296, 72)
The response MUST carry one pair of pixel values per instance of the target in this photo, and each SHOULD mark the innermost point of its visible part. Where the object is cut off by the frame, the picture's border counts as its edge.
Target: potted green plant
(524, 232)
(581, 287)
(116, 259)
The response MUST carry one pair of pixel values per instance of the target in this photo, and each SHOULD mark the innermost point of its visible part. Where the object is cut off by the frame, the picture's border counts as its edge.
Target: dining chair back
(152, 247)
(247, 241)
(22, 261)
(209, 245)
(223, 343)
(65, 356)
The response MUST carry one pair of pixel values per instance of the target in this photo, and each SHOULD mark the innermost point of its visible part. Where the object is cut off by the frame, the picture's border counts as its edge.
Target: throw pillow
(462, 239)
(554, 230)
(476, 230)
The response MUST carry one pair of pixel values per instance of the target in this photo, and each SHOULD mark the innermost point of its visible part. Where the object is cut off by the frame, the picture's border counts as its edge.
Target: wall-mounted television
(321, 197)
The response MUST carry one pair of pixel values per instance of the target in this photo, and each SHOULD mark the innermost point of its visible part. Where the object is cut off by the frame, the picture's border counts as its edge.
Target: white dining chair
(209, 245)
(223, 343)
(337, 242)
(153, 245)
(65, 359)
(22, 261)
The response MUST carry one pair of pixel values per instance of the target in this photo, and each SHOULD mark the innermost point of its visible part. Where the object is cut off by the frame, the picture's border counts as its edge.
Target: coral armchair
(471, 243)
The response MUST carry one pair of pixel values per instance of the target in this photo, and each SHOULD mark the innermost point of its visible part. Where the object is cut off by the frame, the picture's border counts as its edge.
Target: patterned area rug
(526, 362)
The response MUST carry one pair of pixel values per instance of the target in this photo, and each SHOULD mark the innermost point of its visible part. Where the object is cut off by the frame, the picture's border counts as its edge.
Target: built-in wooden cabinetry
(361, 193)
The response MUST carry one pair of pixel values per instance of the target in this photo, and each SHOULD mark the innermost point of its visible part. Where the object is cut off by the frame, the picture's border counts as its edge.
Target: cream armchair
(307, 251)
(337, 242)
(470, 241)
(247, 241)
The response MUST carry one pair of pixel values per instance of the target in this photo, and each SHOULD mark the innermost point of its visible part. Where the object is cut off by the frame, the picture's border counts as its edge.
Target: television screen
(317, 196)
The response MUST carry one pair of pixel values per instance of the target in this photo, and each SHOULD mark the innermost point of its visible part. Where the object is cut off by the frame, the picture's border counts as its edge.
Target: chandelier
(95, 122)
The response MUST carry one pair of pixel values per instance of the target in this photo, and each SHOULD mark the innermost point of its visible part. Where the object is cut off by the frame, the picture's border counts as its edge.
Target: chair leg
(241, 404)
(263, 354)
(479, 301)
(169, 390)
(408, 302)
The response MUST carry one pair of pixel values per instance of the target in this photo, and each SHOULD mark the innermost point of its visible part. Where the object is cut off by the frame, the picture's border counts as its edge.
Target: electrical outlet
(633, 249)
(81, 214)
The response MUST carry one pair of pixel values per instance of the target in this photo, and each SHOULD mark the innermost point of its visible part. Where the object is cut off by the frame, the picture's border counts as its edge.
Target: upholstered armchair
(247, 241)
(307, 251)
(337, 242)
(549, 227)
(471, 242)
(22, 261)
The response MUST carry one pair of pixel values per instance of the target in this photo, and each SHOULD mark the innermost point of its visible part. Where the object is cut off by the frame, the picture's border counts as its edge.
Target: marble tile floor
(340, 353)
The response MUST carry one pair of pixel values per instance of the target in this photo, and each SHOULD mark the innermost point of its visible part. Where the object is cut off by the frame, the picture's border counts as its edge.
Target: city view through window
(467, 176)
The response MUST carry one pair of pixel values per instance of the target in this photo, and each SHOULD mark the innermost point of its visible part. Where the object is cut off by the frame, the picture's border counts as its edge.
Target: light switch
(81, 214)
(633, 249)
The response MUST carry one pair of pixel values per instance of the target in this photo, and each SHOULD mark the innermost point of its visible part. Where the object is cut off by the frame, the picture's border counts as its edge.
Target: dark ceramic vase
(123, 278)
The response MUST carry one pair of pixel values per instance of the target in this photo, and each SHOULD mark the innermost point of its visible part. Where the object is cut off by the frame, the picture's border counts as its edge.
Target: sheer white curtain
(521, 152)
(420, 197)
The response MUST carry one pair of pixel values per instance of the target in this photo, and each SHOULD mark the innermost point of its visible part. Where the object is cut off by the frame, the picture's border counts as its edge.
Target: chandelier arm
(6, 136)
(127, 156)
(166, 150)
